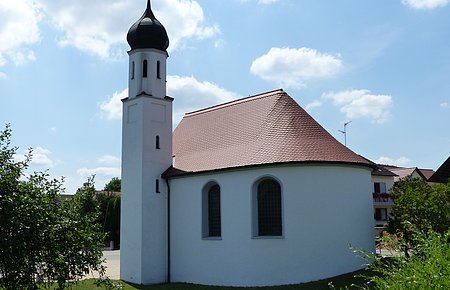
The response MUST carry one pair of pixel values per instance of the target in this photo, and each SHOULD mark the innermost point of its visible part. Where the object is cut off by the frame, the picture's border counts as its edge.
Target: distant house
(252, 192)
(383, 181)
(442, 174)
(411, 172)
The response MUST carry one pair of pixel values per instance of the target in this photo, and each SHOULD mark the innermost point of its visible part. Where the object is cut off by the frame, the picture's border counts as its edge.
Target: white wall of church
(325, 209)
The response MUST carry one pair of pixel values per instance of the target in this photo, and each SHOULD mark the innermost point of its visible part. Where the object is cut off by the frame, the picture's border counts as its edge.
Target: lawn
(342, 281)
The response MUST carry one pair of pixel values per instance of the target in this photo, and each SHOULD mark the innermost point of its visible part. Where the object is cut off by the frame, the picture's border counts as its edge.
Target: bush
(427, 266)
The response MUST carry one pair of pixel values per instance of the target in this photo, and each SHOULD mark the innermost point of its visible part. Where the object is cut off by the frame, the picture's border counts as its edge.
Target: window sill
(267, 237)
(212, 238)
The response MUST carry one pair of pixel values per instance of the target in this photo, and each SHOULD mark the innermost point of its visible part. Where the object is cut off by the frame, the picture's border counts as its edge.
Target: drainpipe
(168, 230)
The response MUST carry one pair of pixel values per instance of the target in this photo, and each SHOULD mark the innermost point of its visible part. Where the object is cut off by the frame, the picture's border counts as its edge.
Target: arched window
(158, 69)
(269, 208)
(212, 226)
(144, 69)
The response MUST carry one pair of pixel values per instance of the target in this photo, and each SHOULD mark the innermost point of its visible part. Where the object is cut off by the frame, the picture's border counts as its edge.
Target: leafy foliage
(113, 185)
(428, 266)
(109, 217)
(44, 239)
(419, 207)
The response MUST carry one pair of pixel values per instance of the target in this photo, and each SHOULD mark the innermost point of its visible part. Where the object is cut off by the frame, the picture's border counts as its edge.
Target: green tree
(427, 267)
(419, 207)
(109, 217)
(113, 185)
(43, 239)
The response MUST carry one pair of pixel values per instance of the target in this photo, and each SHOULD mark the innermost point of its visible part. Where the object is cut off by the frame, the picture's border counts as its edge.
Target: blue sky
(382, 64)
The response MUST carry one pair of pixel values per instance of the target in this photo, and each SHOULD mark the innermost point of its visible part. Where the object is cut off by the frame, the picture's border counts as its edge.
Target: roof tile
(261, 129)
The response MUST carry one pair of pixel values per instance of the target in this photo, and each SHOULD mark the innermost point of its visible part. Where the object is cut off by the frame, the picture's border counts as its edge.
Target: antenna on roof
(345, 132)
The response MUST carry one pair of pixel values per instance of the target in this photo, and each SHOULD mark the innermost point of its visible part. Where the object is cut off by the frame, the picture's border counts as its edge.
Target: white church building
(252, 192)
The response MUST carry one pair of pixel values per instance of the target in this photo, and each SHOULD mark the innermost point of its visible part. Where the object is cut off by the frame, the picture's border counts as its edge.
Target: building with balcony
(383, 181)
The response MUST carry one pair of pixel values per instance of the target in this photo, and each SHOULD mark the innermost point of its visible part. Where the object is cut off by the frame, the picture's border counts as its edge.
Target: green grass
(347, 280)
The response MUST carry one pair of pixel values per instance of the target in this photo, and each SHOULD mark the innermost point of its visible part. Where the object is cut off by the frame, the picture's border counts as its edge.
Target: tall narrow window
(144, 69)
(211, 219)
(157, 186)
(214, 223)
(132, 70)
(158, 69)
(157, 142)
(269, 208)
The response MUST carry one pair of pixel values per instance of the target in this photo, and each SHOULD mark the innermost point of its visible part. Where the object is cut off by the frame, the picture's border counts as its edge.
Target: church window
(157, 142)
(132, 70)
(157, 186)
(212, 227)
(269, 208)
(144, 69)
(158, 69)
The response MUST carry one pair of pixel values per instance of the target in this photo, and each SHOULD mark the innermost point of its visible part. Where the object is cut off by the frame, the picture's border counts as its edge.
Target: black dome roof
(148, 32)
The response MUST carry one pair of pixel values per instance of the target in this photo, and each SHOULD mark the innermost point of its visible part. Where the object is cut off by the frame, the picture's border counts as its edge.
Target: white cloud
(425, 4)
(362, 104)
(445, 105)
(184, 20)
(265, 2)
(108, 159)
(113, 107)
(3, 75)
(291, 67)
(189, 93)
(262, 2)
(101, 28)
(312, 105)
(103, 171)
(401, 161)
(19, 29)
(40, 157)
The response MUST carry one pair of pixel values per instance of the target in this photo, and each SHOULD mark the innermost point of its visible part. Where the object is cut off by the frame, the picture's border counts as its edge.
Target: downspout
(168, 230)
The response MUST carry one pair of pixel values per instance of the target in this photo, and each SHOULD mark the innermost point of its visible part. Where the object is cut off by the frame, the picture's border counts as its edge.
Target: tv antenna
(345, 132)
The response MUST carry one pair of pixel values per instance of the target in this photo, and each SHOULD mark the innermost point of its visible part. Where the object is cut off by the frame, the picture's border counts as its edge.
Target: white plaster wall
(143, 210)
(326, 208)
(389, 180)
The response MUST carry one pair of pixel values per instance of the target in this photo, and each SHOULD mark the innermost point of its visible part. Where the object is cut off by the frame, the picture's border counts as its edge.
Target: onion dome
(148, 32)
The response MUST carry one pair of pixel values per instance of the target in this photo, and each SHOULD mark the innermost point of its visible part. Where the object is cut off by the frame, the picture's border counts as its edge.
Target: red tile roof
(263, 129)
(403, 172)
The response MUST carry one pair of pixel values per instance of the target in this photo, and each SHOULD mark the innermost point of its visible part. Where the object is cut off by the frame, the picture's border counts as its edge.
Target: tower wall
(146, 154)
(151, 84)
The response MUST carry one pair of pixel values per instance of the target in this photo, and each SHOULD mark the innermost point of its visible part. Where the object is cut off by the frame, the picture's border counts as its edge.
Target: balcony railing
(382, 197)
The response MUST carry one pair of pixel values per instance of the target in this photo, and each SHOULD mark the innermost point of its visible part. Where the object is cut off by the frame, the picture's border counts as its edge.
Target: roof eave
(175, 172)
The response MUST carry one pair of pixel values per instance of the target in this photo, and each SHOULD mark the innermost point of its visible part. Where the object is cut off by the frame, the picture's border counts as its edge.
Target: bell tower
(146, 154)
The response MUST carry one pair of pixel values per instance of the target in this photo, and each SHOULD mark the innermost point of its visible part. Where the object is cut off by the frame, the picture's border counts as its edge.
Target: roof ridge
(234, 102)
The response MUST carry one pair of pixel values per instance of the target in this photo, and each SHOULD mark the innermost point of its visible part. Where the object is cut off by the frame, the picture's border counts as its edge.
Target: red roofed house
(252, 192)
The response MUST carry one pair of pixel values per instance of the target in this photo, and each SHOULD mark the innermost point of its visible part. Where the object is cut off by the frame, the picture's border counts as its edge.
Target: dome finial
(149, 11)
(148, 32)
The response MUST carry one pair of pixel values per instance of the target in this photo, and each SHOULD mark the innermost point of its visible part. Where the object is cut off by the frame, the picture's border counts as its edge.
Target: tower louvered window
(269, 208)
(158, 69)
(144, 69)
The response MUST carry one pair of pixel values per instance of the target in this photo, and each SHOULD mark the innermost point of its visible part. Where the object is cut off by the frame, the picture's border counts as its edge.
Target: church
(253, 192)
